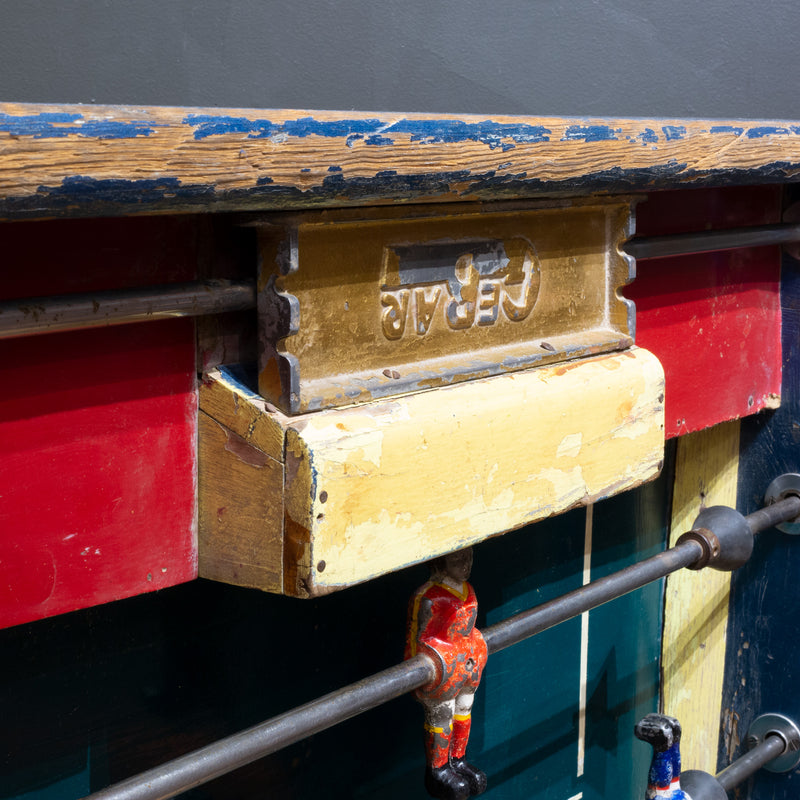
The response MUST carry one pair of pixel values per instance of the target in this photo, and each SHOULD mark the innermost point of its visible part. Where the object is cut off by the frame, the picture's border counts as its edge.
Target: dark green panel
(101, 694)
(624, 643)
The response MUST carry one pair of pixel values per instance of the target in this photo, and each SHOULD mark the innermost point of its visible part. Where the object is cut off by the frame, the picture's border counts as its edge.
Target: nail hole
(321, 566)
(323, 496)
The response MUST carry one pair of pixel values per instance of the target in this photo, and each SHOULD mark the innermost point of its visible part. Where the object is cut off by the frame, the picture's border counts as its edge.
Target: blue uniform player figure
(663, 733)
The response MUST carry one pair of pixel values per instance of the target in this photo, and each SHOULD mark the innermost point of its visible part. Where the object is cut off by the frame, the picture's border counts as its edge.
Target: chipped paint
(427, 494)
(104, 160)
(570, 446)
(590, 133)
(767, 130)
(674, 133)
(56, 125)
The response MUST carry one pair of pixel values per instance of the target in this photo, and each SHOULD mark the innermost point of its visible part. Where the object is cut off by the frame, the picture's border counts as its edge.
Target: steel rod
(242, 748)
(783, 511)
(528, 623)
(773, 746)
(711, 241)
(36, 315)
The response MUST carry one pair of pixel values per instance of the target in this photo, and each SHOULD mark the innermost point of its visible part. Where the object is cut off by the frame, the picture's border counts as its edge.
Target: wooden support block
(376, 487)
(241, 510)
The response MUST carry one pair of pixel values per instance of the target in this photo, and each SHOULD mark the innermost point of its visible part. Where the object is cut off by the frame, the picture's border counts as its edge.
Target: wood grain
(100, 160)
(696, 604)
(240, 510)
(244, 412)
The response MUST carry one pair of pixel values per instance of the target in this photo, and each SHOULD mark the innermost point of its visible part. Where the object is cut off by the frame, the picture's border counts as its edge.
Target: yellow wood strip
(92, 160)
(696, 603)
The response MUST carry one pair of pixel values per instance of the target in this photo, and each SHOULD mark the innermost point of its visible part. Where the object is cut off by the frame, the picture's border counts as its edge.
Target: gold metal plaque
(356, 309)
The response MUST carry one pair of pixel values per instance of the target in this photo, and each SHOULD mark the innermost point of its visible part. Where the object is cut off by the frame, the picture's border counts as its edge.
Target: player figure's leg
(441, 779)
(462, 721)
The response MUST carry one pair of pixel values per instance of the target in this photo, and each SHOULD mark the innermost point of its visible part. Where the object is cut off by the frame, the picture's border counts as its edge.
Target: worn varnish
(372, 488)
(100, 160)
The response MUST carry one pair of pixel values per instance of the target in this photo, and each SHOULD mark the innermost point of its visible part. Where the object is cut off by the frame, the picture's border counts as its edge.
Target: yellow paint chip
(570, 445)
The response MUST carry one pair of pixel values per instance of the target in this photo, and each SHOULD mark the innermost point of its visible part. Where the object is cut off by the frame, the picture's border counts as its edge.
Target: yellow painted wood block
(696, 603)
(372, 488)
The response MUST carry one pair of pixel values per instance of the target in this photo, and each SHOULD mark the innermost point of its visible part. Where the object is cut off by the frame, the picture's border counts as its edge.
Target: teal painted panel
(624, 644)
(102, 694)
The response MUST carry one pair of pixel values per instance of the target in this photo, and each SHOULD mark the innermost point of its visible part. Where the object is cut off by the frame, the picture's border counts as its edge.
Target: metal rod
(773, 746)
(528, 623)
(711, 241)
(35, 315)
(783, 511)
(242, 748)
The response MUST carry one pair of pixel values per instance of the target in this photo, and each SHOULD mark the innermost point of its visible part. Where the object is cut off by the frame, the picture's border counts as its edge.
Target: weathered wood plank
(696, 603)
(101, 160)
(373, 488)
(244, 412)
(240, 510)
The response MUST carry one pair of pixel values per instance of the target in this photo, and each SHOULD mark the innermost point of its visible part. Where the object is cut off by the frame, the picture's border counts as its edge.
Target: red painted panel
(97, 468)
(712, 319)
(97, 427)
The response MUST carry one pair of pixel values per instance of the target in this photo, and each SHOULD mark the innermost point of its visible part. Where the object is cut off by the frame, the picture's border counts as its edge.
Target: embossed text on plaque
(354, 309)
(457, 285)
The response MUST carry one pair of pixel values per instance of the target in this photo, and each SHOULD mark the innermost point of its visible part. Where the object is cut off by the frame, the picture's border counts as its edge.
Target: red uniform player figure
(442, 626)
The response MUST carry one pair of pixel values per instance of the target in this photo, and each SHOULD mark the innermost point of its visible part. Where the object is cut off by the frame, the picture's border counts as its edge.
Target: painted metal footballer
(442, 626)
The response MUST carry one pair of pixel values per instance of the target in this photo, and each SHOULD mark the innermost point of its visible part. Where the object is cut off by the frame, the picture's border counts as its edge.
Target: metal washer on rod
(776, 725)
(782, 487)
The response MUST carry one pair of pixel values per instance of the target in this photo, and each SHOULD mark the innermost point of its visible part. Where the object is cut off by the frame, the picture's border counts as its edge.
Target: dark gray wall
(683, 58)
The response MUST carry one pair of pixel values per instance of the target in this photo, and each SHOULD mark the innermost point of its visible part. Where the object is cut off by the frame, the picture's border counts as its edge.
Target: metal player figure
(442, 626)
(663, 733)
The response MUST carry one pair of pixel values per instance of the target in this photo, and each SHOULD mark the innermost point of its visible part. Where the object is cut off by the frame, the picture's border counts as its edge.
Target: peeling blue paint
(90, 192)
(334, 129)
(206, 125)
(674, 133)
(372, 131)
(439, 131)
(766, 130)
(85, 196)
(727, 129)
(647, 136)
(56, 125)
(589, 133)
(334, 169)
